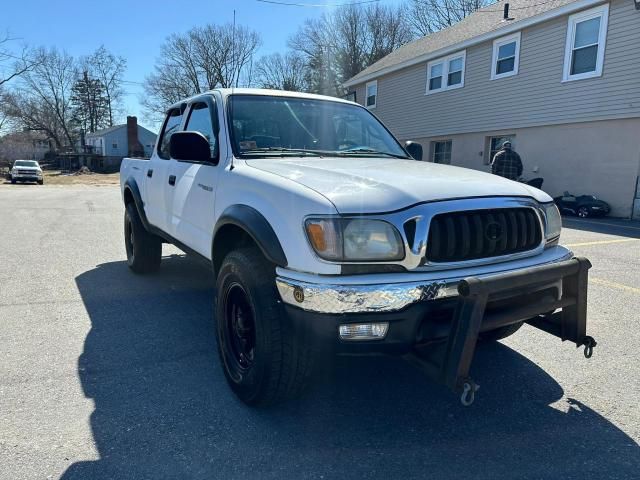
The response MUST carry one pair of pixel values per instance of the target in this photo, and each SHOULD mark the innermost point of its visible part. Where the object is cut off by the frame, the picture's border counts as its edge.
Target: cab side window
(201, 120)
(171, 125)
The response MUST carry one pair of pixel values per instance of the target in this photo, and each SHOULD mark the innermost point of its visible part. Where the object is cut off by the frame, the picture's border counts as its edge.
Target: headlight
(354, 239)
(553, 221)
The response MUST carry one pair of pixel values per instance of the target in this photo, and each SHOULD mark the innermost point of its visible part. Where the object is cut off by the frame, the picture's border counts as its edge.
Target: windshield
(266, 126)
(25, 163)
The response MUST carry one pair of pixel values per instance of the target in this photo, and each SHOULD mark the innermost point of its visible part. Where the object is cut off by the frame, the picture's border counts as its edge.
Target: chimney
(134, 146)
(505, 15)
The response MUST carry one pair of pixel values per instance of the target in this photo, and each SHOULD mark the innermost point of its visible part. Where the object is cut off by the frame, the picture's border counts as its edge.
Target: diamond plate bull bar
(566, 318)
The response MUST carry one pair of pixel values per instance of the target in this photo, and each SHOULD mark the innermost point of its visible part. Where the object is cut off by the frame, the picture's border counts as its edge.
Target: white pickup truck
(27, 171)
(327, 236)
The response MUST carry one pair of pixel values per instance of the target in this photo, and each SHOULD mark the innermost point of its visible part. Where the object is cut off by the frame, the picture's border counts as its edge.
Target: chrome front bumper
(389, 296)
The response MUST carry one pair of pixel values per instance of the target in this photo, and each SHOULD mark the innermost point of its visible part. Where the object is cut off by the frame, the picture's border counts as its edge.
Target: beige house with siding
(559, 78)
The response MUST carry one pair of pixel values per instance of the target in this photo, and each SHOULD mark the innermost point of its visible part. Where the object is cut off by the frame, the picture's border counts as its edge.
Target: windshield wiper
(314, 153)
(360, 150)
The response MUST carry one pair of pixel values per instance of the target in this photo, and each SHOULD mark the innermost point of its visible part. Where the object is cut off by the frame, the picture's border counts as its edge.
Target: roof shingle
(483, 21)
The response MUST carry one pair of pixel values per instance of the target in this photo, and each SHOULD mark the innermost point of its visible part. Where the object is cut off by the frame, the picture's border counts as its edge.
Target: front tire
(13, 181)
(144, 250)
(264, 362)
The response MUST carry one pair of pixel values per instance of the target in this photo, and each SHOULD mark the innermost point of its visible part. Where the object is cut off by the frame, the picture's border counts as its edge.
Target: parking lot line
(619, 286)
(602, 242)
(578, 222)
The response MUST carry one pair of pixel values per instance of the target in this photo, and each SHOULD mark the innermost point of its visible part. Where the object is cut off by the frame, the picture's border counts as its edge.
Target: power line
(316, 5)
(487, 8)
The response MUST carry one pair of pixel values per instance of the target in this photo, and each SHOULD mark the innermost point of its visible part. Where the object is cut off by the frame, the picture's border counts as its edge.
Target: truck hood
(377, 185)
(34, 169)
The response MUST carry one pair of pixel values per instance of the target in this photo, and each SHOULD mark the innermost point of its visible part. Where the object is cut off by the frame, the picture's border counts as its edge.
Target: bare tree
(428, 16)
(339, 45)
(109, 69)
(202, 59)
(12, 66)
(42, 99)
(315, 40)
(283, 72)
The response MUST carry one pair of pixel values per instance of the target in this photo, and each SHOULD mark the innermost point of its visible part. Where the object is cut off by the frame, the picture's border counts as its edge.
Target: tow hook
(469, 389)
(589, 343)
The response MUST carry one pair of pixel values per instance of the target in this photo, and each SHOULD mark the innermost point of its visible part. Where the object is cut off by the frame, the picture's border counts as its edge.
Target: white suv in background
(26, 171)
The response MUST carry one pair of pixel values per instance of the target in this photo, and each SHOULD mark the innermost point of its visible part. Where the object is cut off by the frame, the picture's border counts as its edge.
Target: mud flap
(448, 362)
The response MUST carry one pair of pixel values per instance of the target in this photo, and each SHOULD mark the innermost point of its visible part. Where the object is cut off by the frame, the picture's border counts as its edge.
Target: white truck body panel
(377, 185)
(287, 190)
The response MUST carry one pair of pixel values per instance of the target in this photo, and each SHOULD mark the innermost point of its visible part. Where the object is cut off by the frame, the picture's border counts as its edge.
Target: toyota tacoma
(327, 236)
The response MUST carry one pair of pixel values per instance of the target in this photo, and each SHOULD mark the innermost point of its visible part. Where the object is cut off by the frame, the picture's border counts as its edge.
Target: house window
(435, 76)
(441, 151)
(586, 38)
(446, 73)
(114, 145)
(372, 94)
(495, 144)
(506, 56)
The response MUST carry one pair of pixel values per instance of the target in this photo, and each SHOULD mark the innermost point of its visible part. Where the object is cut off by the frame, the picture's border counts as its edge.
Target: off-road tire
(500, 333)
(282, 360)
(144, 250)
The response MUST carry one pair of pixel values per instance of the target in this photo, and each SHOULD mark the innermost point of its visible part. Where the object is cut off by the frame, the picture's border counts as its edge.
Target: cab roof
(227, 92)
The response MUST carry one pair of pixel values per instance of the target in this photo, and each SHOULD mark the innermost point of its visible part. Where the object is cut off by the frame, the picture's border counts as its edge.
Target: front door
(192, 206)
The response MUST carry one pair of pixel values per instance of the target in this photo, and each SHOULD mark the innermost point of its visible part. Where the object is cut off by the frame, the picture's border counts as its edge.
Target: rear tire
(500, 333)
(264, 362)
(583, 212)
(144, 250)
(13, 182)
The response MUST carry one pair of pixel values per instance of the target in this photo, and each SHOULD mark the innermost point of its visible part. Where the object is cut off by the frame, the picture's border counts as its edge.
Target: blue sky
(135, 29)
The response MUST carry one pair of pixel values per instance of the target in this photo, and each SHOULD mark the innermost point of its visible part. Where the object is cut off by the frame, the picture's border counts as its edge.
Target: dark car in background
(583, 205)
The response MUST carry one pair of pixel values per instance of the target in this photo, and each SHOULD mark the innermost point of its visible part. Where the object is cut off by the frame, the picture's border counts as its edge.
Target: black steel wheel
(239, 330)
(264, 360)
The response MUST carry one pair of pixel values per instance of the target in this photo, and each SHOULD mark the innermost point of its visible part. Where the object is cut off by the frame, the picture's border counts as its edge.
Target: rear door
(157, 174)
(192, 212)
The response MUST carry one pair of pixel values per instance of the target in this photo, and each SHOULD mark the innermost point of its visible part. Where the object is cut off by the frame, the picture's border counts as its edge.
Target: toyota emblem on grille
(493, 231)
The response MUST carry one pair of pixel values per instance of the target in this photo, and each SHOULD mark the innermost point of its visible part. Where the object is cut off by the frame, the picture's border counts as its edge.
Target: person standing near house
(507, 163)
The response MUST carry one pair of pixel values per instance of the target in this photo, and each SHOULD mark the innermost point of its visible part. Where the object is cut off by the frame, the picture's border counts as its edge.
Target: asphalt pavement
(106, 374)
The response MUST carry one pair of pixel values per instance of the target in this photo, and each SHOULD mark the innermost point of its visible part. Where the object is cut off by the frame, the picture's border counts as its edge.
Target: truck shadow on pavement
(163, 409)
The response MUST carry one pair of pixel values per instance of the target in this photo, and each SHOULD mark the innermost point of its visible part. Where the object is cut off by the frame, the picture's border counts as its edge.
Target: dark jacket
(507, 163)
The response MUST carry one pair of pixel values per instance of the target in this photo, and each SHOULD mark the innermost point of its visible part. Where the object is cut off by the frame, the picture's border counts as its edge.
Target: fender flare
(257, 227)
(131, 186)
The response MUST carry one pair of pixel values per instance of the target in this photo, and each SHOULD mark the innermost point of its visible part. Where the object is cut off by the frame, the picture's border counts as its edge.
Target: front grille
(473, 234)
(27, 172)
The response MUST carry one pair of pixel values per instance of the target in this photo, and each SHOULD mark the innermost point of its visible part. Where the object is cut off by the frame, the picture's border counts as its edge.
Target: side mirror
(414, 149)
(190, 146)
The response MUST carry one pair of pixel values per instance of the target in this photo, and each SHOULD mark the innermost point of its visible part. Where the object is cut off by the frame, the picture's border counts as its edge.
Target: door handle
(172, 179)
(150, 173)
